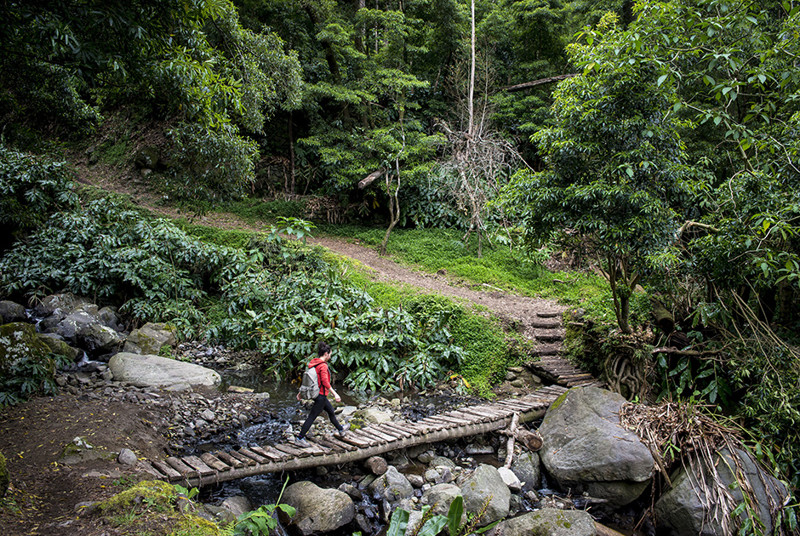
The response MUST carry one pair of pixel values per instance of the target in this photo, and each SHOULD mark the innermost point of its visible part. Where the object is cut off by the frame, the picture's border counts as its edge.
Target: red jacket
(323, 375)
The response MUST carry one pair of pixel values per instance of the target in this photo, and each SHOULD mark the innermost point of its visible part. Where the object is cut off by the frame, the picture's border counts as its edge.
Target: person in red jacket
(321, 403)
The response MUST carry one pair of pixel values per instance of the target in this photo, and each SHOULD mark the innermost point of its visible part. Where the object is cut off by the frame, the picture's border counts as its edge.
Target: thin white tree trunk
(470, 104)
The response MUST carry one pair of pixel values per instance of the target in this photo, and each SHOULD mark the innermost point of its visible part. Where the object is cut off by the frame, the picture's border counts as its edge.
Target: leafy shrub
(276, 296)
(31, 188)
(116, 255)
(208, 164)
(257, 210)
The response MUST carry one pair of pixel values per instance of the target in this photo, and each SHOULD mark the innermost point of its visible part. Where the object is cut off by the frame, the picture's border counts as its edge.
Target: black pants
(320, 403)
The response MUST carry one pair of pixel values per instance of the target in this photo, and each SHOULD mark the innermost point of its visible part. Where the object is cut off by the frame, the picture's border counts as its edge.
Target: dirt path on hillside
(509, 307)
(518, 312)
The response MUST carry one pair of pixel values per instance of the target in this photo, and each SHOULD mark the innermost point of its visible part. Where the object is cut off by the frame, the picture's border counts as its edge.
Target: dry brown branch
(684, 435)
(369, 179)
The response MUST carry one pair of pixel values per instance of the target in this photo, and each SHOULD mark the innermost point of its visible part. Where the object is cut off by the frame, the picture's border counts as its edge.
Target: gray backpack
(309, 389)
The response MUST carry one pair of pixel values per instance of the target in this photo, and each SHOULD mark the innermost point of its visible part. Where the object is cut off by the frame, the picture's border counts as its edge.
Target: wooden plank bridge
(220, 466)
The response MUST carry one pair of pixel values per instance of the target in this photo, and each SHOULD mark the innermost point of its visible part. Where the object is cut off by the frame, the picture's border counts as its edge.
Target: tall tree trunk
(361, 34)
(394, 204)
(471, 96)
(292, 187)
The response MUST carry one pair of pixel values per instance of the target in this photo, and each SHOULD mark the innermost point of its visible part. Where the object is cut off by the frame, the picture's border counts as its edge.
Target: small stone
(431, 475)
(426, 457)
(415, 480)
(127, 457)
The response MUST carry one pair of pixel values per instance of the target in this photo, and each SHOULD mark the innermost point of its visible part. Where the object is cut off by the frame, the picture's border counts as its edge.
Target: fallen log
(534, 83)
(369, 179)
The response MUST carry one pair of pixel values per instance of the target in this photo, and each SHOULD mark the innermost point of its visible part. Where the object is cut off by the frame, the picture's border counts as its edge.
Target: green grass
(438, 249)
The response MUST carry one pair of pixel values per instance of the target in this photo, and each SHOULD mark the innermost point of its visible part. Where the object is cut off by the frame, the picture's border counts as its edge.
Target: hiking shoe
(340, 434)
(302, 442)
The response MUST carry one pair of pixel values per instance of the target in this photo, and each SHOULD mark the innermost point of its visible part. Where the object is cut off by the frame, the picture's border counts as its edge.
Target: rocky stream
(587, 475)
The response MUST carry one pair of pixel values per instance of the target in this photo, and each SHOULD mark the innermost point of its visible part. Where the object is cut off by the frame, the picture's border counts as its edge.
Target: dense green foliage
(666, 159)
(276, 297)
(31, 189)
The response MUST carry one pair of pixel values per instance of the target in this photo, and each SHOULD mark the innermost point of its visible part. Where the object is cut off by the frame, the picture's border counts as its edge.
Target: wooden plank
(230, 460)
(244, 451)
(388, 432)
(362, 433)
(171, 473)
(355, 439)
(297, 451)
(484, 413)
(448, 422)
(316, 442)
(514, 406)
(269, 453)
(242, 458)
(422, 429)
(380, 435)
(198, 465)
(182, 468)
(457, 420)
(411, 427)
(443, 422)
(461, 417)
(390, 427)
(148, 467)
(335, 444)
(214, 462)
(482, 416)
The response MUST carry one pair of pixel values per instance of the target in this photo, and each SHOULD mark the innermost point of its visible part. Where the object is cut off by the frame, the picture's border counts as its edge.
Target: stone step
(546, 323)
(548, 335)
(547, 349)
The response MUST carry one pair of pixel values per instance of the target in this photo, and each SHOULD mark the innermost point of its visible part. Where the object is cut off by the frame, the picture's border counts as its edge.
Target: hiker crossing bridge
(220, 466)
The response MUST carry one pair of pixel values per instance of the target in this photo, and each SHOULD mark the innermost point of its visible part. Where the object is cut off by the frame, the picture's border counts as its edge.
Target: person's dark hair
(323, 348)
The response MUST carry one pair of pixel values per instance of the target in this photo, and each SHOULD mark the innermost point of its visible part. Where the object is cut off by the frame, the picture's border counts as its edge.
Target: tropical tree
(616, 165)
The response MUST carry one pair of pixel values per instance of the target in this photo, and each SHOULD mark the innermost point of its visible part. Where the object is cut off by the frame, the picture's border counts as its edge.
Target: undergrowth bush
(31, 188)
(275, 296)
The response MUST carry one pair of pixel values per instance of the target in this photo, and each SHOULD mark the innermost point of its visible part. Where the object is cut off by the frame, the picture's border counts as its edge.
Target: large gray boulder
(11, 312)
(549, 522)
(392, 486)
(59, 304)
(84, 328)
(318, 510)
(440, 497)
(587, 450)
(686, 508)
(527, 467)
(155, 371)
(486, 483)
(149, 339)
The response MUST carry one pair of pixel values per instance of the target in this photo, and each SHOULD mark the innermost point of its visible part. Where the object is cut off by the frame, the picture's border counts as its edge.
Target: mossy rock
(24, 358)
(59, 347)
(152, 506)
(153, 492)
(19, 340)
(5, 479)
(196, 526)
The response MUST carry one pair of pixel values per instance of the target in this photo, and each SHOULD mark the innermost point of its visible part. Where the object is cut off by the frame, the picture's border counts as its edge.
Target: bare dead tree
(478, 160)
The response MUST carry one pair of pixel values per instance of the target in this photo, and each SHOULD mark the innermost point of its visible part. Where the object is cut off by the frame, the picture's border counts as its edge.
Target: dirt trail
(521, 312)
